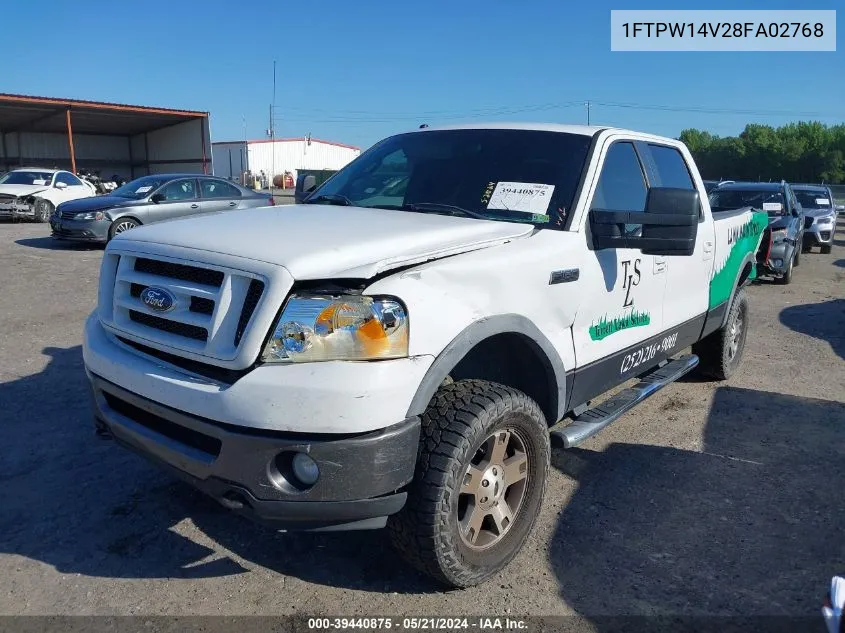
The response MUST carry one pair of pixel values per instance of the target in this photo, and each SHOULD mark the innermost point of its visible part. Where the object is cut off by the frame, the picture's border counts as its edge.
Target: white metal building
(231, 159)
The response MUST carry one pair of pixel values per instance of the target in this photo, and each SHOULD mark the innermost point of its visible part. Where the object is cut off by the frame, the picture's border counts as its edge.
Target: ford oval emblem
(158, 299)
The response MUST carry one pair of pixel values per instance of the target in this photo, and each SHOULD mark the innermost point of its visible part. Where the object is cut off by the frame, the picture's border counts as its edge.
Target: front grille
(211, 310)
(166, 325)
(205, 276)
(253, 295)
(176, 432)
(67, 215)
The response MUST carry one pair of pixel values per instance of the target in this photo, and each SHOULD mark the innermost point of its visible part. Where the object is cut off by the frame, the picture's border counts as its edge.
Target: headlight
(91, 215)
(824, 220)
(346, 327)
(778, 235)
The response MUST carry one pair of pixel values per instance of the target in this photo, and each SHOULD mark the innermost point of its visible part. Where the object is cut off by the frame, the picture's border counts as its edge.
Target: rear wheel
(120, 225)
(720, 353)
(43, 210)
(481, 475)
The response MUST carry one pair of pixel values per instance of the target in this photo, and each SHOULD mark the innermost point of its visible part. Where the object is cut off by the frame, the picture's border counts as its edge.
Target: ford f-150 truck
(404, 349)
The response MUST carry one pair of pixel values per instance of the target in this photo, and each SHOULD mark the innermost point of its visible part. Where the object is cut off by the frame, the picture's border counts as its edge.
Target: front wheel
(786, 277)
(43, 210)
(120, 225)
(826, 248)
(481, 474)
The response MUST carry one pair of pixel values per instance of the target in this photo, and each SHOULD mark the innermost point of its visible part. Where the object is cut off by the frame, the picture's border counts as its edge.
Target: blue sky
(355, 72)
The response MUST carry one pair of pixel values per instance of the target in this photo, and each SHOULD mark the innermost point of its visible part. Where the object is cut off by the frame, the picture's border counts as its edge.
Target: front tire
(720, 353)
(826, 248)
(120, 225)
(481, 475)
(786, 278)
(43, 211)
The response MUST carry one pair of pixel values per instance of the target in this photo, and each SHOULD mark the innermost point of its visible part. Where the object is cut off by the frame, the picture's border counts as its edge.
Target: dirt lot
(708, 499)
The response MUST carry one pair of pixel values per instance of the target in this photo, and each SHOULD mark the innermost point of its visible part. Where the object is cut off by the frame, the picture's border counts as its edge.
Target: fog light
(778, 263)
(305, 469)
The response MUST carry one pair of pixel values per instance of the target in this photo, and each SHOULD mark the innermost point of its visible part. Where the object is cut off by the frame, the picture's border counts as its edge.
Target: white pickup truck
(402, 349)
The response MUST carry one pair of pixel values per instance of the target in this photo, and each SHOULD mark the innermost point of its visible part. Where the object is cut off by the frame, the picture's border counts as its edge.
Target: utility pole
(273, 131)
(588, 112)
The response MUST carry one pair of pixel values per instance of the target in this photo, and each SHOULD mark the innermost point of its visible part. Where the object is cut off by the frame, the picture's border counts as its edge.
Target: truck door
(623, 305)
(687, 278)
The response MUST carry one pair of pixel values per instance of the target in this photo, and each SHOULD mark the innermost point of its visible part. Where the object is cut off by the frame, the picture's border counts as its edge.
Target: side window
(670, 168)
(69, 179)
(179, 190)
(218, 189)
(621, 186)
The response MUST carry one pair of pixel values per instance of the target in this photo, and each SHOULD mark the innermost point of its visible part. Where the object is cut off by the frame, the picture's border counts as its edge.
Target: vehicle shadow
(825, 321)
(48, 243)
(750, 525)
(84, 505)
(840, 263)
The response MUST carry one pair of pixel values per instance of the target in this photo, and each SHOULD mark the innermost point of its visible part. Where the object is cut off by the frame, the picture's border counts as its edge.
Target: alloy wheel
(493, 489)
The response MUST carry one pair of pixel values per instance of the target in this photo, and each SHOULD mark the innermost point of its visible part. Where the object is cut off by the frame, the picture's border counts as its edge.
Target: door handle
(232, 204)
(195, 206)
(708, 247)
(659, 265)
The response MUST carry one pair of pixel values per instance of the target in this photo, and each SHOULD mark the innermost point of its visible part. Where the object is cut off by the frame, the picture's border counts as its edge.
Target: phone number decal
(647, 352)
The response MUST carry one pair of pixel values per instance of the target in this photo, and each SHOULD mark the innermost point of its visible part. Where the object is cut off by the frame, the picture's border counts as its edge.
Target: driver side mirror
(669, 224)
(157, 197)
(304, 186)
(61, 185)
(808, 222)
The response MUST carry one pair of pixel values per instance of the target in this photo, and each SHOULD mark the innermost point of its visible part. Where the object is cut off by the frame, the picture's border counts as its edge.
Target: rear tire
(120, 225)
(481, 474)
(720, 353)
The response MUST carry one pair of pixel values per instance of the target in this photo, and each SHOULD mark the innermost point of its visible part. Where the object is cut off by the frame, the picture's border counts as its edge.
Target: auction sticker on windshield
(772, 206)
(143, 189)
(528, 197)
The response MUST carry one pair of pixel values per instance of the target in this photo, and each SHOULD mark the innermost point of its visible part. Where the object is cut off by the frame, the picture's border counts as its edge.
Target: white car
(403, 356)
(34, 193)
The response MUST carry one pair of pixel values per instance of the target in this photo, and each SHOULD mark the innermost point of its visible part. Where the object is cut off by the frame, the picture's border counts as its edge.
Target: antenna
(588, 112)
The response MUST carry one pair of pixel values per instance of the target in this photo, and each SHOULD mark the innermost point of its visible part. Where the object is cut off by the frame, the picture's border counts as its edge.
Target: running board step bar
(594, 420)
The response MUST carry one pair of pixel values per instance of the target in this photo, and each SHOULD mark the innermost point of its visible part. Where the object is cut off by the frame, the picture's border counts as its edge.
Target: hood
(320, 241)
(96, 203)
(22, 190)
(779, 222)
(820, 213)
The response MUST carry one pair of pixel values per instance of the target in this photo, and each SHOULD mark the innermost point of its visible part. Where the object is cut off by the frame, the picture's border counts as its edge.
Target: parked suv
(819, 206)
(150, 199)
(402, 350)
(787, 220)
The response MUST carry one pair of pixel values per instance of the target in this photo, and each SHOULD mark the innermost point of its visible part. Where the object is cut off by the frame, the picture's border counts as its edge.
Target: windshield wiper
(437, 206)
(331, 198)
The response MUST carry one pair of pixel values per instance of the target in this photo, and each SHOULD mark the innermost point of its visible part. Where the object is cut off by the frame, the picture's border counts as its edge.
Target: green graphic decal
(742, 240)
(605, 328)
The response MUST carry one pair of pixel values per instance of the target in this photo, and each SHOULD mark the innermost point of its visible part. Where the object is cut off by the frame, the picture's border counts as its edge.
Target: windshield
(140, 187)
(729, 199)
(813, 198)
(27, 178)
(512, 175)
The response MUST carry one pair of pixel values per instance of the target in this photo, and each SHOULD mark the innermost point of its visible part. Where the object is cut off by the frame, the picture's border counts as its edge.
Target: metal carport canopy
(23, 113)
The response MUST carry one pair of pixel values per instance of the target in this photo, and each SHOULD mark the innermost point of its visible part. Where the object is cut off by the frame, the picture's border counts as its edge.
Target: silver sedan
(150, 199)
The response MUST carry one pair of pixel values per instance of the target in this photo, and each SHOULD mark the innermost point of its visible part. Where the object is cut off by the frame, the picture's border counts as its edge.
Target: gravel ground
(707, 499)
